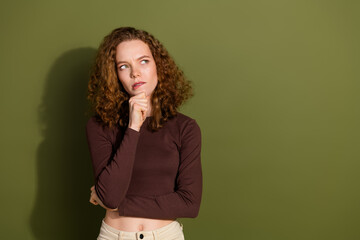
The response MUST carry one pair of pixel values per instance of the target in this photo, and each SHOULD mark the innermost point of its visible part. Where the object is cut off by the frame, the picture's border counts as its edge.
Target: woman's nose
(135, 73)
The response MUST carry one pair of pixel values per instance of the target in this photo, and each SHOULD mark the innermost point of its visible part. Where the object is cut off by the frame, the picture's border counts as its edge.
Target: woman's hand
(93, 196)
(138, 106)
(94, 199)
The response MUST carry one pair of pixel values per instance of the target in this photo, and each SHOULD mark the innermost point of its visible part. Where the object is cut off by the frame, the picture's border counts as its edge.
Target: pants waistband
(145, 234)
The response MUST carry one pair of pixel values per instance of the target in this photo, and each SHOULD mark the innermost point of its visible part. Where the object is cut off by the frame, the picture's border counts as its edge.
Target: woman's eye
(125, 66)
(121, 67)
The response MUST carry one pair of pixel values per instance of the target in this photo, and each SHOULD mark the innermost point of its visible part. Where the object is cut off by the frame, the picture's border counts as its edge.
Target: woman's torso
(164, 148)
(134, 224)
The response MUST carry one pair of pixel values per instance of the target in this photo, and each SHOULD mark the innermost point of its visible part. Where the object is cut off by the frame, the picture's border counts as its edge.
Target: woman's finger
(141, 104)
(140, 107)
(93, 201)
(138, 100)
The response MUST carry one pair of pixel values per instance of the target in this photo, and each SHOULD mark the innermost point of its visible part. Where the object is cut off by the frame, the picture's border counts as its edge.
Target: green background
(276, 97)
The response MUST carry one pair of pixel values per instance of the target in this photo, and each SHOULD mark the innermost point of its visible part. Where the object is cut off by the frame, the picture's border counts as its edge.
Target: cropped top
(148, 174)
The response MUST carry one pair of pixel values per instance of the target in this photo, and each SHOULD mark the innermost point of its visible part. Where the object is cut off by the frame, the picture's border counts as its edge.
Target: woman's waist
(134, 224)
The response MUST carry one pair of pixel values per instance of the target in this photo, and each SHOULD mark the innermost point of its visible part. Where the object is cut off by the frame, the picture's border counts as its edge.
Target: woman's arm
(185, 201)
(94, 199)
(112, 174)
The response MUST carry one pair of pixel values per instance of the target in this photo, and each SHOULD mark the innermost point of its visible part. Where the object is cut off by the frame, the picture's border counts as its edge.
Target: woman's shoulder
(188, 129)
(94, 125)
(183, 118)
(185, 122)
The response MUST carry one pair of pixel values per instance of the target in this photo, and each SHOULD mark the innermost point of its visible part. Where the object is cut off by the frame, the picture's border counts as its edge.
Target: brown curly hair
(108, 98)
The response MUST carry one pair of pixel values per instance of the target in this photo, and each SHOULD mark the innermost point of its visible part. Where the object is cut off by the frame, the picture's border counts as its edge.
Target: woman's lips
(137, 85)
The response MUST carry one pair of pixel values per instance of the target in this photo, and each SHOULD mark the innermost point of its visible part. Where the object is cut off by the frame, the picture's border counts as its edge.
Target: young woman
(145, 154)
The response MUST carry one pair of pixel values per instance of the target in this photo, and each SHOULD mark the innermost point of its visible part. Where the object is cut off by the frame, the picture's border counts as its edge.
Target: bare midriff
(134, 224)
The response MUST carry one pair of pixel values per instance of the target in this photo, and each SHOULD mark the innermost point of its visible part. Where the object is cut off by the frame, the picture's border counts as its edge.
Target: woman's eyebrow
(117, 63)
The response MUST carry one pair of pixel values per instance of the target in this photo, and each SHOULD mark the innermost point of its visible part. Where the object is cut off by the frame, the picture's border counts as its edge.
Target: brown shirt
(148, 174)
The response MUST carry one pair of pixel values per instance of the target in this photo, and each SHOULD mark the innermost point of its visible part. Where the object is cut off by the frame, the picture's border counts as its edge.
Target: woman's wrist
(135, 128)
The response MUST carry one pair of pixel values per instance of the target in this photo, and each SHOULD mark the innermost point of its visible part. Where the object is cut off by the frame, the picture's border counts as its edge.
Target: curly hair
(109, 100)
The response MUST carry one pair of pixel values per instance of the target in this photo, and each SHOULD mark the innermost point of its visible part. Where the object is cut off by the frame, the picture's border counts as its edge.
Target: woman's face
(136, 67)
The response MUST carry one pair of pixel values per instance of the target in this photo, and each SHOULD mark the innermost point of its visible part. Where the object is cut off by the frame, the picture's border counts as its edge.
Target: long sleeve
(112, 171)
(185, 201)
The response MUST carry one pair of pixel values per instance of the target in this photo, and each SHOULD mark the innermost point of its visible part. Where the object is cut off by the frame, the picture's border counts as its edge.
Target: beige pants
(172, 231)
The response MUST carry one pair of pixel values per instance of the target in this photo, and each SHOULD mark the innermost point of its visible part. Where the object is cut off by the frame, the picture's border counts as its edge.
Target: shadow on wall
(62, 209)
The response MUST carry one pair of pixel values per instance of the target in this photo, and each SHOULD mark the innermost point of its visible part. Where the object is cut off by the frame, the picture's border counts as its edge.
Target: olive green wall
(276, 97)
